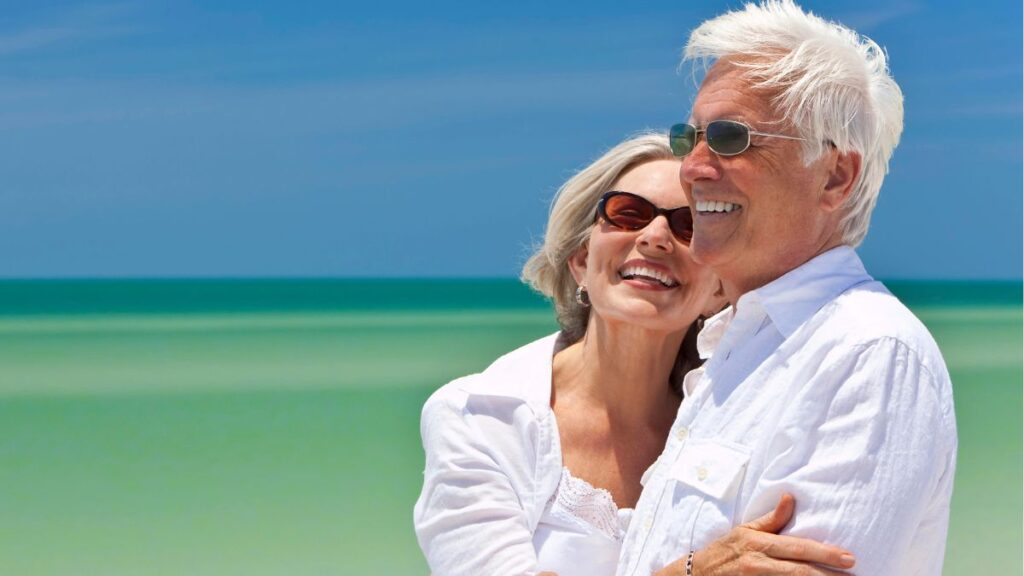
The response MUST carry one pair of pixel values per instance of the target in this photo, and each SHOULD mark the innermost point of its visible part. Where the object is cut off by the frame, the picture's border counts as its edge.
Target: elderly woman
(535, 463)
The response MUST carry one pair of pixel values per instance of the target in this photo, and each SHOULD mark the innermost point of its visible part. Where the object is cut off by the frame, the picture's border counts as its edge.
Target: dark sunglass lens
(727, 138)
(627, 211)
(682, 138)
(681, 223)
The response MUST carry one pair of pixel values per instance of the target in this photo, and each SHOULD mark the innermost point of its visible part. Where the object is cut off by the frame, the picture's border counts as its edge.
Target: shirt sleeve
(874, 471)
(470, 517)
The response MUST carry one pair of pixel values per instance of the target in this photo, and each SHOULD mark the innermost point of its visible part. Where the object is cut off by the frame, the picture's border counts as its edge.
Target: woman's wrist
(682, 566)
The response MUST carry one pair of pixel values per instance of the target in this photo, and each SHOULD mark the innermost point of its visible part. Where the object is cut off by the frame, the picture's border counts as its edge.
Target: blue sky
(426, 139)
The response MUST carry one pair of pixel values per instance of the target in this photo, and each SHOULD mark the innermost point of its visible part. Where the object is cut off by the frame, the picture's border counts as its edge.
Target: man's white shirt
(823, 385)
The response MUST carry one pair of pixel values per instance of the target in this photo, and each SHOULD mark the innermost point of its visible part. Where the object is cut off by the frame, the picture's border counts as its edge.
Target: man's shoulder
(868, 314)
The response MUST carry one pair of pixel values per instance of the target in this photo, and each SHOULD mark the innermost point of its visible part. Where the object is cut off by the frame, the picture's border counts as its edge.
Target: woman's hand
(756, 548)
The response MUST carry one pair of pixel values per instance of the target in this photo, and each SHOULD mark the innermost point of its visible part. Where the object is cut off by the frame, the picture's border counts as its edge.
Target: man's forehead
(727, 93)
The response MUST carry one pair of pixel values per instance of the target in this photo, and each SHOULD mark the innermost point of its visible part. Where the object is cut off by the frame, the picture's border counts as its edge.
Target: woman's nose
(656, 236)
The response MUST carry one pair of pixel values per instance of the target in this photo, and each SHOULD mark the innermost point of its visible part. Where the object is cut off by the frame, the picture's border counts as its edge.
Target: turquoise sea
(269, 427)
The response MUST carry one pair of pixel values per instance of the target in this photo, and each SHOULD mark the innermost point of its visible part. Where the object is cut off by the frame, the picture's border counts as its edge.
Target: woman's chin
(645, 315)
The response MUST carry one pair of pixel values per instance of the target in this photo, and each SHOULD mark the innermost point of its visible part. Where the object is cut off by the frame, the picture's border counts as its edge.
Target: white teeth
(634, 271)
(713, 206)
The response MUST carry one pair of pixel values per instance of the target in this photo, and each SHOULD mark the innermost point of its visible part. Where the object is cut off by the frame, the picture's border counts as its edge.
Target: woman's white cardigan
(493, 460)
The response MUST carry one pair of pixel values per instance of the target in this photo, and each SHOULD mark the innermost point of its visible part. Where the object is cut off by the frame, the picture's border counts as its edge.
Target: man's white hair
(832, 84)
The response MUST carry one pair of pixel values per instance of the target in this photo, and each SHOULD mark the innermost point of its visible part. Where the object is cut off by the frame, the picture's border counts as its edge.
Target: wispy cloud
(949, 76)
(70, 25)
(356, 105)
(987, 110)
(867, 20)
(971, 105)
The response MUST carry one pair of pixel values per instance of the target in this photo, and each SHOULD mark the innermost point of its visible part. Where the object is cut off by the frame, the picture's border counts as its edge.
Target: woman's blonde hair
(572, 215)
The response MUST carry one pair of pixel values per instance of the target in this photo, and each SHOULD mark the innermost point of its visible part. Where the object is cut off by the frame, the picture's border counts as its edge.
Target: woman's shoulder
(520, 377)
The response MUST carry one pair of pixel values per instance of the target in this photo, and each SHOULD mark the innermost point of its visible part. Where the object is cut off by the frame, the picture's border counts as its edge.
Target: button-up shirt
(493, 464)
(820, 384)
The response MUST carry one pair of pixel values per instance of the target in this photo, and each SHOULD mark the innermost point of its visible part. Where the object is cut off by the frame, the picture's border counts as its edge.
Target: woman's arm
(757, 548)
(470, 518)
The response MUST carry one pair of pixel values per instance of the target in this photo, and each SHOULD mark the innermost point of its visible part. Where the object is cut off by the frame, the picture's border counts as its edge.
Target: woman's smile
(648, 275)
(635, 267)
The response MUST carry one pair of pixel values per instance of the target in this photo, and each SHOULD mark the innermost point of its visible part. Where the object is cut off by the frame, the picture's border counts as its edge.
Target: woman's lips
(648, 273)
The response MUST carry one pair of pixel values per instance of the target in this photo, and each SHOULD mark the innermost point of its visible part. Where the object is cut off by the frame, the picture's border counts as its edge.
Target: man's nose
(700, 164)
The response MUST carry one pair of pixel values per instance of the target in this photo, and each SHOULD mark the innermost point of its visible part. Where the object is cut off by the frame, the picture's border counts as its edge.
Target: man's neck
(737, 285)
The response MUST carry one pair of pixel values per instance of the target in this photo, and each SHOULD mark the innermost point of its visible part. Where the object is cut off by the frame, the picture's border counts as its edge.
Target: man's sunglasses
(632, 212)
(724, 137)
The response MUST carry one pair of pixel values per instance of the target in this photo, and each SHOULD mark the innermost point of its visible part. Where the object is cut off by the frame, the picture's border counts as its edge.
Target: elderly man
(820, 383)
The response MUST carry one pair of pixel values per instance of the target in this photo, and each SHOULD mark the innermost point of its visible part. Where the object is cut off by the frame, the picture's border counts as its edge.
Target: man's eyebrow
(733, 117)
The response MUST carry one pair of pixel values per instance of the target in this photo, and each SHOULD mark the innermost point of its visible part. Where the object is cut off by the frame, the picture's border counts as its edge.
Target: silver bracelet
(689, 564)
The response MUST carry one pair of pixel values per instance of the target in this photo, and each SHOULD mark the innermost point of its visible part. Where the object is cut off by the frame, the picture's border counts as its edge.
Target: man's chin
(706, 251)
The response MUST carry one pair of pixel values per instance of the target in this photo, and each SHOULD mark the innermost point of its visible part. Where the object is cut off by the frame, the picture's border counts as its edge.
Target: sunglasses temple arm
(755, 133)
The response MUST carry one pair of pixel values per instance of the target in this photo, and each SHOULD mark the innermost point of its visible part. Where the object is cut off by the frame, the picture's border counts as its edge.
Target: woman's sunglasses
(724, 137)
(632, 212)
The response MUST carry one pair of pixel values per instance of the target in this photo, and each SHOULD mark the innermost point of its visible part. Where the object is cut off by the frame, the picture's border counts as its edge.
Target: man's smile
(711, 206)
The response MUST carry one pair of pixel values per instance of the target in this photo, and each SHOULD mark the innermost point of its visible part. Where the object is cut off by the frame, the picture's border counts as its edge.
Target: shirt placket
(741, 327)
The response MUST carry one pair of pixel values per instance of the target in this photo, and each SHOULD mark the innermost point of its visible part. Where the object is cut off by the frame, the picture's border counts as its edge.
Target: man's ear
(843, 172)
(716, 302)
(578, 263)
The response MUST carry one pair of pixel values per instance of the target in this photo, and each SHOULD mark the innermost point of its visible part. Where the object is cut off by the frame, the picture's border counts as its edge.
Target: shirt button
(702, 473)
(682, 433)
(648, 523)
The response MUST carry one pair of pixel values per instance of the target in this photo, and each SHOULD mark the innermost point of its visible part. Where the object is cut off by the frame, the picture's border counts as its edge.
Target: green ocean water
(269, 427)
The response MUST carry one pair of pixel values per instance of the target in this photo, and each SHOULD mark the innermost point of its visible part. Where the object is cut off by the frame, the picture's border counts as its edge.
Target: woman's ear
(578, 263)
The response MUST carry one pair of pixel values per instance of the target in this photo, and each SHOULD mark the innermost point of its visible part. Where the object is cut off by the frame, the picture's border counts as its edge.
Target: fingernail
(848, 559)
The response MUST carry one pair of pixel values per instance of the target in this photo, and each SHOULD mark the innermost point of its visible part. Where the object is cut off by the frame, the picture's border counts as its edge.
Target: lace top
(592, 509)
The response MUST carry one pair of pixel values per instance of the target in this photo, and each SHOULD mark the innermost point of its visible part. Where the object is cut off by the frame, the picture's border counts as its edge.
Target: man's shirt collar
(794, 297)
(791, 299)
